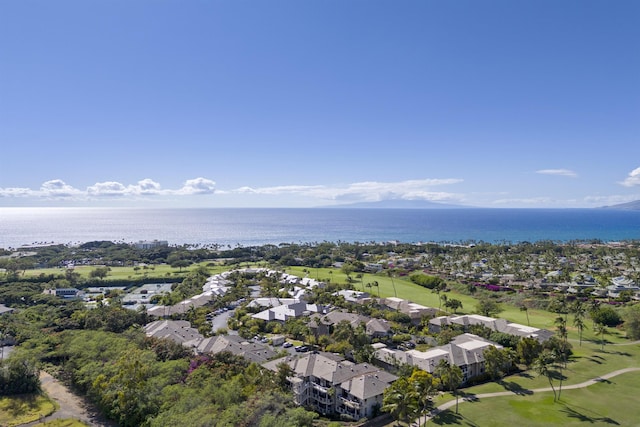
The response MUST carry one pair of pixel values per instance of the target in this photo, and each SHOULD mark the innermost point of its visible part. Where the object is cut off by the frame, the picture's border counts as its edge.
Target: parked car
(287, 344)
(302, 348)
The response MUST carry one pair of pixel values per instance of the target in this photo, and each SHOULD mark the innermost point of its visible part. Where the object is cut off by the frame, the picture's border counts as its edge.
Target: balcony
(323, 400)
(320, 388)
(350, 403)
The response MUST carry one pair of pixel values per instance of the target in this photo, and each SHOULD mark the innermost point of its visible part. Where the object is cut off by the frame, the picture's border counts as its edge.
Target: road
(220, 321)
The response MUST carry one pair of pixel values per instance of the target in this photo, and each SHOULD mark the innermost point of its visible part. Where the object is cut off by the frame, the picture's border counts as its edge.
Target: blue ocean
(247, 227)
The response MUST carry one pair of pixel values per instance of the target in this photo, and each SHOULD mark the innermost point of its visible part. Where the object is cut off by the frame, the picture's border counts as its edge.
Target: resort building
(465, 351)
(498, 325)
(331, 385)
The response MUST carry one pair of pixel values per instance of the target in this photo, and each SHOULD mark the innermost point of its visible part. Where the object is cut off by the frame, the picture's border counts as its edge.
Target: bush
(606, 316)
(426, 281)
(19, 377)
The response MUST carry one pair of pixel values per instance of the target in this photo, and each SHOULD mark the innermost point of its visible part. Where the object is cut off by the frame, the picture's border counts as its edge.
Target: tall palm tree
(579, 312)
(442, 298)
(451, 375)
(425, 386)
(390, 274)
(543, 365)
(377, 285)
(361, 277)
(578, 322)
(400, 400)
(526, 310)
(601, 329)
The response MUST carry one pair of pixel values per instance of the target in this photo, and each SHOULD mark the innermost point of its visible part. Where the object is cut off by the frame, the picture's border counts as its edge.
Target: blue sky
(310, 103)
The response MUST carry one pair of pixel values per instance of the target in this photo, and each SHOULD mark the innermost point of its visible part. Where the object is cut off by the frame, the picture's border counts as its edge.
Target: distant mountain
(631, 206)
(402, 204)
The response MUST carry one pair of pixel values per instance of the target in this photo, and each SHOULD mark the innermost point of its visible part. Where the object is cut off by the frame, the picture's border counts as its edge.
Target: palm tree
(361, 276)
(578, 322)
(594, 306)
(442, 298)
(390, 274)
(377, 285)
(601, 329)
(579, 312)
(451, 375)
(400, 400)
(526, 310)
(543, 365)
(425, 386)
(561, 323)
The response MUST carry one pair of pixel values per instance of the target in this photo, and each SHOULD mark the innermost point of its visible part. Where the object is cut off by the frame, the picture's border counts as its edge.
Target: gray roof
(499, 325)
(179, 331)
(336, 316)
(368, 385)
(327, 366)
(252, 351)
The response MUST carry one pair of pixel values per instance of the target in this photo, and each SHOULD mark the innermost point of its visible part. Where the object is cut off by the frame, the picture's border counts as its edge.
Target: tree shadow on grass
(467, 397)
(595, 359)
(573, 413)
(449, 417)
(515, 388)
(557, 375)
(619, 353)
(525, 374)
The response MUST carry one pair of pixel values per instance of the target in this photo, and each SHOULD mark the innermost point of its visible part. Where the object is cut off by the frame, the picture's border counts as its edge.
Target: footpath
(70, 405)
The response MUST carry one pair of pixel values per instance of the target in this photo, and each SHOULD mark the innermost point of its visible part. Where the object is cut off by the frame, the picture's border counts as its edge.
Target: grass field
(611, 402)
(63, 423)
(124, 273)
(16, 410)
(404, 288)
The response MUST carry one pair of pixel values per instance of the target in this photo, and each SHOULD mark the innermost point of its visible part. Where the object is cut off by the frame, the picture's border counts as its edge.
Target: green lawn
(588, 362)
(63, 423)
(612, 402)
(405, 289)
(16, 410)
(123, 273)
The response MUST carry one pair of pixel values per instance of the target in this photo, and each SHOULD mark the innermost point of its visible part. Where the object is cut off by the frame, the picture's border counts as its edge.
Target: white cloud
(147, 187)
(364, 191)
(633, 179)
(197, 186)
(108, 189)
(16, 192)
(283, 189)
(57, 188)
(558, 172)
(422, 189)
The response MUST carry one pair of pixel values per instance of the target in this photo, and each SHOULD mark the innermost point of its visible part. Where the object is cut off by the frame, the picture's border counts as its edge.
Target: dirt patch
(71, 405)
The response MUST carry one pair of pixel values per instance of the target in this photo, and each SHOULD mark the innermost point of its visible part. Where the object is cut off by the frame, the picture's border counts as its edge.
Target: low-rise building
(498, 325)
(252, 351)
(465, 351)
(412, 309)
(179, 331)
(334, 386)
(66, 293)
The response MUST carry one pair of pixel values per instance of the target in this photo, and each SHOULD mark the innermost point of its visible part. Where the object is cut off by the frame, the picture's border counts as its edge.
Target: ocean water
(246, 227)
